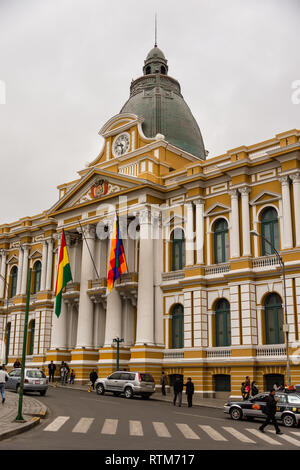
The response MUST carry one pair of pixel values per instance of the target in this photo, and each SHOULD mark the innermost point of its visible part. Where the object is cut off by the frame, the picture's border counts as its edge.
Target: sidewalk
(32, 412)
(197, 401)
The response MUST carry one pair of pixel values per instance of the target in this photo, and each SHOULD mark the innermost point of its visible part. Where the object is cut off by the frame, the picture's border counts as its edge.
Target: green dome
(157, 98)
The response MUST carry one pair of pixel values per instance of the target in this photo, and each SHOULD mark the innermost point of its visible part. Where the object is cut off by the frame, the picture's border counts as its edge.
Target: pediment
(120, 123)
(12, 260)
(93, 187)
(217, 208)
(265, 196)
(35, 255)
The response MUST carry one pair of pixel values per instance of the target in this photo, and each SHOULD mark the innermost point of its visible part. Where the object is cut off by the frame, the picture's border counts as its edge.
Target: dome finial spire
(155, 43)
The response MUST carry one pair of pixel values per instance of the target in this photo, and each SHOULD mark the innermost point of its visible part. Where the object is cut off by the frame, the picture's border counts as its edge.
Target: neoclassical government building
(202, 297)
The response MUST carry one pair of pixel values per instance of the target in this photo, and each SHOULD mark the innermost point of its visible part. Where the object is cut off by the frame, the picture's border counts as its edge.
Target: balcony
(173, 275)
(265, 262)
(174, 354)
(271, 350)
(218, 353)
(217, 269)
(72, 291)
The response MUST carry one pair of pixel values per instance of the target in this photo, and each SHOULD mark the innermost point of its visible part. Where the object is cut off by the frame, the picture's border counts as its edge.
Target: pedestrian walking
(3, 379)
(52, 369)
(189, 391)
(93, 378)
(72, 376)
(254, 389)
(178, 387)
(270, 411)
(67, 372)
(163, 383)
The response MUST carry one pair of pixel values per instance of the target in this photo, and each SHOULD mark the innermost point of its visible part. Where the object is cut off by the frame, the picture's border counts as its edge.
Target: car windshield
(146, 378)
(35, 374)
(293, 398)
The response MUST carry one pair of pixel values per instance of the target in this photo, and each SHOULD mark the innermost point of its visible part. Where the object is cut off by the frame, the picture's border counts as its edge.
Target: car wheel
(42, 393)
(100, 389)
(236, 413)
(128, 392)
(289, 420)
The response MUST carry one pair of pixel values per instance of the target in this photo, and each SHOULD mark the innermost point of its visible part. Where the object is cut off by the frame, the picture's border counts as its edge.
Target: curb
(24, 427)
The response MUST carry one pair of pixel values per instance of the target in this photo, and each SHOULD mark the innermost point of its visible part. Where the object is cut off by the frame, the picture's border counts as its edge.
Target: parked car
(34, 381)
(288, 407)
(127, 383)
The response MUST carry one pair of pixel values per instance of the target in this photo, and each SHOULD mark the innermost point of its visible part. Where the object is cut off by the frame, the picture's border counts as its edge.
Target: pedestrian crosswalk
(135, 428)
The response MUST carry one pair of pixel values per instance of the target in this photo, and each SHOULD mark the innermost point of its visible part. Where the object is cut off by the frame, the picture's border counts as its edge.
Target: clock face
(121, 145)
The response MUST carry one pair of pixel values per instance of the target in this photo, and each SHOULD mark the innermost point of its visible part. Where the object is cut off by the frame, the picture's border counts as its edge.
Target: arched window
(221, 241)
(269, 230)
(148, 70)
(178, 251)
(7, 341)
(163, 70)
(30, 338)
(177, 326)
(37, 277)
(274, 319)
(223, 330)
(13, 281)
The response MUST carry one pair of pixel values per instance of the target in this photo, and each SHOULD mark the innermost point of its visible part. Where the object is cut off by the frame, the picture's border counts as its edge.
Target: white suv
(129, 383)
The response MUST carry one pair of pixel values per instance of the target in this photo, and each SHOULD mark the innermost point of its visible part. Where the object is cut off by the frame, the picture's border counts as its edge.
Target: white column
(128, 321)
(113, 324)
(199, 231)
(20, 271)
(25, 270)
(145, 305)
(286, 212)
(44, 265)
(296, 189)
(49, 264)
(158, 270)
(234, 222)
(59, 328)
(2, 272)
(210, 332)
(189, 236)
(85, 315)
(246, 220)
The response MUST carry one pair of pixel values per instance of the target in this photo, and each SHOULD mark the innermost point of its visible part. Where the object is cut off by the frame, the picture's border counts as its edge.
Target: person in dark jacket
(52, 369)
(93, 378)
(270, 411)
(178, 387)
(254, 389)
(189, 391)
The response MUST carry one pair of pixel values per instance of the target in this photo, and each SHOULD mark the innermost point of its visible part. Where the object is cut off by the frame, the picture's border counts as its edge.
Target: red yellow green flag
(63, 274)
(117, 261)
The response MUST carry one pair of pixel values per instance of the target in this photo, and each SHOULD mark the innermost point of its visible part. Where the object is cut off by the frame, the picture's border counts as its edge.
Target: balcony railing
(217, 269)
(174, 354)
(265, 261)
(271, 350)
(218, 353)
(173, 275)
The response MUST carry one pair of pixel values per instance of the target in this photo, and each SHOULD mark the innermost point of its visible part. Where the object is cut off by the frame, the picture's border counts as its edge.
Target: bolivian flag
(117, 261)
(63, 274)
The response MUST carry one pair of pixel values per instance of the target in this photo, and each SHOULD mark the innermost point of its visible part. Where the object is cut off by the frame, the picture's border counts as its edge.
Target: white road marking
(83, 425)
(241, 437)
(57, 423)
(110, 426)
(288, 438)
(161, 429)
(187, 431)
(264, 437)
(135, 428)
(215, 435)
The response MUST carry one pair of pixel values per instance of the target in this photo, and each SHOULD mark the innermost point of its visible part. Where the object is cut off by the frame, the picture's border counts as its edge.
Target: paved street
(79, 420)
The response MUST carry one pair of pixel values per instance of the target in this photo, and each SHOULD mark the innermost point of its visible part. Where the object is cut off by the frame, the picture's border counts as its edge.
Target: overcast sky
(67, 67)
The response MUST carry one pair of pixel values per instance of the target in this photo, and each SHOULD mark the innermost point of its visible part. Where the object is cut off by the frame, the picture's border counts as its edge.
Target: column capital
(295, 177)
(198, 202)
(233, 193)
(145, 216)
(88, 231)
(284, 180)
(245, 190)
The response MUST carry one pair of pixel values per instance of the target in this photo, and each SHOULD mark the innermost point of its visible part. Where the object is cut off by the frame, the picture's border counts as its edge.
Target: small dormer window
(163, 70)
(148, 70)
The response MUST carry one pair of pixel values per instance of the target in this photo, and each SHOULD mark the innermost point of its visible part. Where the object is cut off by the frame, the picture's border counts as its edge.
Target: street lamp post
(118, 341)
(285, 326)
